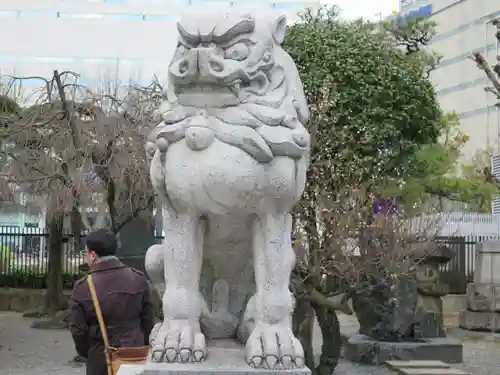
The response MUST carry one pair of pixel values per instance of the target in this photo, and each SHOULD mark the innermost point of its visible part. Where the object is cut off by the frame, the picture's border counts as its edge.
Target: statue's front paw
(154, 332)
(178, 341)
(273, 346)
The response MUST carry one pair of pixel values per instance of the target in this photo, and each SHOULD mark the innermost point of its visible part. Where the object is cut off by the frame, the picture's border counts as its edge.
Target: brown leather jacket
(125, 300)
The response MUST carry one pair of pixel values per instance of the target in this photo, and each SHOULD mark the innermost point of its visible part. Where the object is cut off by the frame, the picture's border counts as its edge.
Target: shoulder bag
(115, 357)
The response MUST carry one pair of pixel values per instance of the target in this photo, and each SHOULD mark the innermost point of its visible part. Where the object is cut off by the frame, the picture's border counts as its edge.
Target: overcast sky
(365, 8)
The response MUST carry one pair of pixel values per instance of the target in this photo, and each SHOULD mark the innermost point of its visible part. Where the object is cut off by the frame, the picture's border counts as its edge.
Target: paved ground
(24, 351)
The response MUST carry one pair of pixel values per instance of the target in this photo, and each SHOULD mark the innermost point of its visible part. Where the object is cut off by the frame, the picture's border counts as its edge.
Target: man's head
(99, 243)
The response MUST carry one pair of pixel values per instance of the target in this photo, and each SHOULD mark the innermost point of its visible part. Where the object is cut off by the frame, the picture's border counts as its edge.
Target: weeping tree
(9, 110)
(372, 107)
(79, 149)
(44, 154)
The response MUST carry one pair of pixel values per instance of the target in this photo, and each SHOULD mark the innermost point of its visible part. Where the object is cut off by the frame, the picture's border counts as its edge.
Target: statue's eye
(181, 51)
(238, 52)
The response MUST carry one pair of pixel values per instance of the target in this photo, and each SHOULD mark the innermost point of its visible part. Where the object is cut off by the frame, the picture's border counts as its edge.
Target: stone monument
(483, 295)
(407, 320)
(429, 309)
(229, 162)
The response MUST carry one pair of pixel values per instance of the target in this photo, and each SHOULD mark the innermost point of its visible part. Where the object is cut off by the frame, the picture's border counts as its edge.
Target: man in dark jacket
(125, 299)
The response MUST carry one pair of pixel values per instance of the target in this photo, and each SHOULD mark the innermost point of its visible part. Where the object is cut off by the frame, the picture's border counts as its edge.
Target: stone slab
(431, 371)
(416, 364)
(487, 268)
(479, 321)
(130, 370)
(483, 297)
(224, 360)
(362, 349)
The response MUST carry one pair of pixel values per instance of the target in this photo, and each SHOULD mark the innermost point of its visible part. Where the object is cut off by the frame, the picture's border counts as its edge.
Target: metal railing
(24, 257)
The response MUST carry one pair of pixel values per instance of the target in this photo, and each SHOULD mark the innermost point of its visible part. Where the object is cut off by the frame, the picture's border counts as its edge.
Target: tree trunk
(77, 229)
(53, 300)
(332, 341)
(303, 324)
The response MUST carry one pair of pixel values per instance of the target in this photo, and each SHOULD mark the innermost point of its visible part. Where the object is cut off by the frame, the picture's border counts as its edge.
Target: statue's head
(226, 59)
(230, 76)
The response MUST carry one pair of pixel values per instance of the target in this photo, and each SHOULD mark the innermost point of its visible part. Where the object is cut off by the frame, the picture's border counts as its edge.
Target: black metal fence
(459, 271)
(24, 259)
(25, 250)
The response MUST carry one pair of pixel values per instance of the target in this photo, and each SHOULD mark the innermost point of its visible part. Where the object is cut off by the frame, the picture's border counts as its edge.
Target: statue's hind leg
(272, 343)
(180, 339)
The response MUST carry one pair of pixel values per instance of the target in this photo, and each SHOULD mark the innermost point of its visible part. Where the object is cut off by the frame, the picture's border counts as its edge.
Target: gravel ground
(28, 351)
(25, 351)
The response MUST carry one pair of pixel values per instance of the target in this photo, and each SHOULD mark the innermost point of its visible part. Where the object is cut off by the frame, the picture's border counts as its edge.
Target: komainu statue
(229, 161)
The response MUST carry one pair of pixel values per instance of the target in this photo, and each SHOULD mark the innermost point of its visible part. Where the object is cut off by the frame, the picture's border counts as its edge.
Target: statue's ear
(279, 29)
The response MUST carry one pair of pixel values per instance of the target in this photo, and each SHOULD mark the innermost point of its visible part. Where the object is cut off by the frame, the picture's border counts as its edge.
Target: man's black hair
(102, 242)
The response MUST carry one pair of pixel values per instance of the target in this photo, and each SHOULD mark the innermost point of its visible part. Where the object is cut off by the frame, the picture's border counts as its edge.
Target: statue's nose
(210, 64)
(203, 62)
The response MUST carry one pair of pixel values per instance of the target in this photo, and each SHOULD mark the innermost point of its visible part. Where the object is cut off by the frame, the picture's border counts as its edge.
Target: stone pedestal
(483, 295)
(362, 349)
(487, 269)
(480, 321)
(224, 357)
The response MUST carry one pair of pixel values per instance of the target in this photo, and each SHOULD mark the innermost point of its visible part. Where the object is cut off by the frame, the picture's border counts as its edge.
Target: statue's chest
(223, 175)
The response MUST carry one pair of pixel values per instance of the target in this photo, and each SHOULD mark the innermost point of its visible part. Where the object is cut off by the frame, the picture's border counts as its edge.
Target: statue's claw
(178, 341)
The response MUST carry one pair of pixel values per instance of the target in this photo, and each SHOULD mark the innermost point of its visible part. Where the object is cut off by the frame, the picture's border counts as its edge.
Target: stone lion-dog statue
(229, 162)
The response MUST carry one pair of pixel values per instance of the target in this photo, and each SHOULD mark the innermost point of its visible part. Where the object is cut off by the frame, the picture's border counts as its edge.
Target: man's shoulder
(139, 274)
(79, 285)
(82, 280)
(135, 270)
(142, 279)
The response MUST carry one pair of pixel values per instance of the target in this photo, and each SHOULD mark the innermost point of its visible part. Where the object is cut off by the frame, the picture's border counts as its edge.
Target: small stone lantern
(429, 309)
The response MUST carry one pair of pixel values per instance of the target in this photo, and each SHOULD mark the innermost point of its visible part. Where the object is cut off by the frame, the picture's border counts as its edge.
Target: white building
(97, 38)
(463, 28)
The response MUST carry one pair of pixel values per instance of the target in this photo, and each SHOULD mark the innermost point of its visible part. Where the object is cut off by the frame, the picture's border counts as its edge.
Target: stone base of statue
(483, 308)
(363, 349)
(224, 356)
(481, 321)
(483, 297)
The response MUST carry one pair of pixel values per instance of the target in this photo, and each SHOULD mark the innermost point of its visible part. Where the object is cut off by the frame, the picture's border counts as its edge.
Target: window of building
(54, 59)
(37, 14)
(287, 5)
(125, 17)
(157, 17)
(81, 15)
(9, 13)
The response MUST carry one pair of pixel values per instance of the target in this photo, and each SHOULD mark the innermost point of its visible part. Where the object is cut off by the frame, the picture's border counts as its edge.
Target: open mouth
(208, 95)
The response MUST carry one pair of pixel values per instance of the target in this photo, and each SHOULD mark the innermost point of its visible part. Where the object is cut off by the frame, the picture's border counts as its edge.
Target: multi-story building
(100, 38)
(464, 27)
